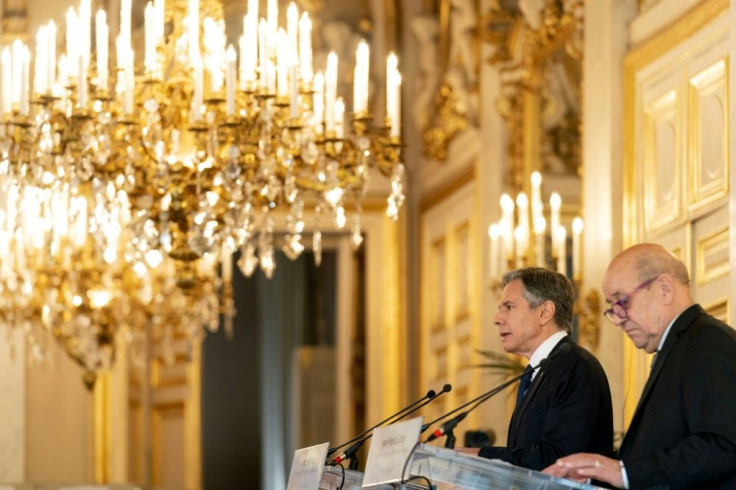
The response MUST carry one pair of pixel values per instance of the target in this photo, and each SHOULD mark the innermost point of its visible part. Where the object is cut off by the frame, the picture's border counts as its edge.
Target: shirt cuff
(624, 476)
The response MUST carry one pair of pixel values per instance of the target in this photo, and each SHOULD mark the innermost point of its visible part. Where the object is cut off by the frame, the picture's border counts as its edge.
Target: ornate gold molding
(448, 118)
(457, 46)
(538, 53)
(588, 311)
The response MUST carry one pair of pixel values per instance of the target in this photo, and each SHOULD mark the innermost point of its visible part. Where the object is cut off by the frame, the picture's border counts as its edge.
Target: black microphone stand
(429, 396)
(351, 452)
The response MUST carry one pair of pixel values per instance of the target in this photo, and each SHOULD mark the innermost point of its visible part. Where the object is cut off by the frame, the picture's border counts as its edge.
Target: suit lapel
(685, 319)
(518, 414)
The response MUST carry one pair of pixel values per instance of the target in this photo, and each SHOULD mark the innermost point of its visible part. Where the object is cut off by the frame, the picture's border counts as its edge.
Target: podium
(458, 470)
(332, 478)
(447, 469)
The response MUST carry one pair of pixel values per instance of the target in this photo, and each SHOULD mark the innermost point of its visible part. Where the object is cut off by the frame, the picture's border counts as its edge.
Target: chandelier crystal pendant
(124, 181)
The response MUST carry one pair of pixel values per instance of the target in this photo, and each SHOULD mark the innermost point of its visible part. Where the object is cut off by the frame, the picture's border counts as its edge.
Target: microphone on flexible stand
(430, 395)
(350, 453)
(448, 427)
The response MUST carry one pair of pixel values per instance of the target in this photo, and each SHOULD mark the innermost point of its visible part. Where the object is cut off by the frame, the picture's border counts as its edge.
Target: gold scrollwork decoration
(449, 118)
(588, 310)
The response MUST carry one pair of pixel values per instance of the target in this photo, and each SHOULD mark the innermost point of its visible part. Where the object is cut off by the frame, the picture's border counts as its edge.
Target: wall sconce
(526, 244)
(521, 238)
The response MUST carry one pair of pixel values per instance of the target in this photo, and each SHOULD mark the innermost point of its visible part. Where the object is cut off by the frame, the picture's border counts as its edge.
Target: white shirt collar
(666, 332)
(545, 348)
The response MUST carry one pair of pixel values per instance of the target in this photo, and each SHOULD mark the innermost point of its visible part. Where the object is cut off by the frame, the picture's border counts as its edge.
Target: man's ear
(666, 286)
(546, 312)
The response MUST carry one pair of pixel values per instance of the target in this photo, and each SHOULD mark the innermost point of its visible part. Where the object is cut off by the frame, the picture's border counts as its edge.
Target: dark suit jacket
(566, 409)
(683, 433)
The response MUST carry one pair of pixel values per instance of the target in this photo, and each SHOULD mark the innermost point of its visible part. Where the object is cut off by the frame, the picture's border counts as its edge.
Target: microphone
(426, 398)
(448, 426)
(350, 452)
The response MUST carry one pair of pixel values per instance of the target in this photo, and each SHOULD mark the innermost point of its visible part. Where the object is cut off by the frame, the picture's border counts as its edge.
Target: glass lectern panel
(458, 470)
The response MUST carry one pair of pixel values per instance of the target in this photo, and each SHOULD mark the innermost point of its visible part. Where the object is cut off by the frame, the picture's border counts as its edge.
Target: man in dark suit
(683, 432)
(567, 405)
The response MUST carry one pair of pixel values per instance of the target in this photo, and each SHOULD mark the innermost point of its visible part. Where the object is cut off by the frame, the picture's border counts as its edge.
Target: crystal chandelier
(126, 184)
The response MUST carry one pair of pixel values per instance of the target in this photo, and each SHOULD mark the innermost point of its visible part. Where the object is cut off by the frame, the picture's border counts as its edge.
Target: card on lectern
(390, 448)
(307, 466)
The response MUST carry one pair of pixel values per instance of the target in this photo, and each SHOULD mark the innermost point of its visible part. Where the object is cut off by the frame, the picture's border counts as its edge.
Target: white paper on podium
(307, 466)
(390, 448)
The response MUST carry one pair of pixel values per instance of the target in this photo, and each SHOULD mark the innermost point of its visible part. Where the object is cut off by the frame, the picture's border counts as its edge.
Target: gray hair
(542, 285)
(657, 260)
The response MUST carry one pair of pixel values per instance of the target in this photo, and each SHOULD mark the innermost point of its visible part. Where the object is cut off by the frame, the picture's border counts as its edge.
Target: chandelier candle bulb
(263, 58)
(193, 30)
(339, 118)
(101, 40)
(230, 82)
(282, 59)
(253, 6)
(305, 48)
(39, 75)
(72, 31)
(150, 54)
(6, 61)
(51, 55)
(198, 95)
(85, 24)
(272, 19)
(129, 76)
(25, 83)
(330, 91)
(318, 104)
(393, 94)
(249, 49)
(360, 83)
(82, 84)
(125, 11)
(292, 26)
(294, 85)
(160, 24)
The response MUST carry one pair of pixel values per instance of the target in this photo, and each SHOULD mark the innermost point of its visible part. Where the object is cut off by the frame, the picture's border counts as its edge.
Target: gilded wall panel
(719, 309)
(679, 137)
(447, 324)
(708, 130)
(712, 256)
(661, 177)
(437, 305)
(462, 300)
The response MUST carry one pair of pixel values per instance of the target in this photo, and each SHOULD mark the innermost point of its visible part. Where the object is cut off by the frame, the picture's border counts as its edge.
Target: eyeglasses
(619, 309)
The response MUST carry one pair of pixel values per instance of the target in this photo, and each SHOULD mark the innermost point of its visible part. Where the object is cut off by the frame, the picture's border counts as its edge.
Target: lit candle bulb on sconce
(493, 255)
(555, 202)
(506, 227)
(540, 225)
(521, 236)
(561, 235)
(577, 233)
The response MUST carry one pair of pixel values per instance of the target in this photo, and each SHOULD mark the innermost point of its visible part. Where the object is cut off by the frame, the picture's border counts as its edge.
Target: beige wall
(58, 442)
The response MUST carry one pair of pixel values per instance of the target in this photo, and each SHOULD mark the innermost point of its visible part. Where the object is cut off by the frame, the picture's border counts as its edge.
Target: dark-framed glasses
(619, 310)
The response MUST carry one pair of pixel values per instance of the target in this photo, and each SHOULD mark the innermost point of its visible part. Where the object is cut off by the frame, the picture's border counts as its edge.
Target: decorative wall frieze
(446, 102)
(538, 52)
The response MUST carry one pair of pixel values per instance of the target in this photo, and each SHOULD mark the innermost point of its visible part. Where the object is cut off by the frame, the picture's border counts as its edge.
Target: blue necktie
(526, 380)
